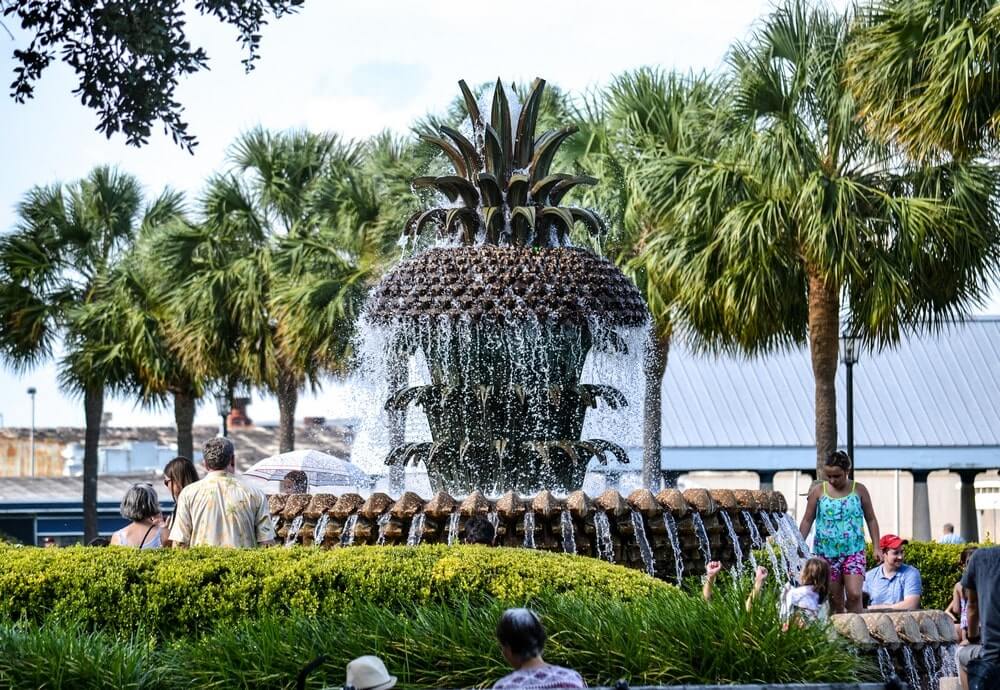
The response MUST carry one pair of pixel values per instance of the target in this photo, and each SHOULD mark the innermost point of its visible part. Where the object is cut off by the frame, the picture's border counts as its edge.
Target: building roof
(939, 389)
(69, 490)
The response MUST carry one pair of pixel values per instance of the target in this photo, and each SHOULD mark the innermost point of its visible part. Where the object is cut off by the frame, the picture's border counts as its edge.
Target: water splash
(931, 666)
(910, 664)
(949, 665)
(702, 534)
(382, 522)
(737, 549)
(416, 529)
(320, 530)
(642, 541)
(567, 531)
(293, 530)
(602, 534)
(675, 545)
(494, 519)
(759, 543)
(776, 540)
(350, 526)
(453, 527)
(885, 664)
(529, 529)
(793, 529)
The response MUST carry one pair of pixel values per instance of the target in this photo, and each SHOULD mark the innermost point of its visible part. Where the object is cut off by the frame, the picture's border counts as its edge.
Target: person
(893, 584)
(804, 604)
(949, 536)
(219, 510)
(479, 530)
(141, 506)
(295, 482)
(957, 607)
(49, 543)
(979, 660)
(839, 507)
(368, 673)
(712, 570)
(177, 474)
(522, 639)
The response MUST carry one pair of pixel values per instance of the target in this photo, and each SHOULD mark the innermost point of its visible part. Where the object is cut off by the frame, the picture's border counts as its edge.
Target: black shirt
(983, 575)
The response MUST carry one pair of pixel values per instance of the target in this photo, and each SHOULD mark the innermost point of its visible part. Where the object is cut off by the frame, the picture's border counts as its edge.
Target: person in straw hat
(368, 673)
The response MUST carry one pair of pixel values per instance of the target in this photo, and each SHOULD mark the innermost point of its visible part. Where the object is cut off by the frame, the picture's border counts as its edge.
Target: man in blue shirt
(949, 536)
(893, 584)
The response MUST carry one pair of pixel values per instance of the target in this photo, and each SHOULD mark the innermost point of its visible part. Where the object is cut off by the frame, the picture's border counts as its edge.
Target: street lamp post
(31, 437)
(849, 356)
(223, 405)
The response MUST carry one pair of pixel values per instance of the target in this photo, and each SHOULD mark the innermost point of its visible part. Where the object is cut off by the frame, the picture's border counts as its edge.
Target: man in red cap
(893, 584)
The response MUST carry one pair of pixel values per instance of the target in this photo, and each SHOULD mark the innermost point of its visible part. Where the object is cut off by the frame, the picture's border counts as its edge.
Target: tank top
(840, 524)
(152, 542)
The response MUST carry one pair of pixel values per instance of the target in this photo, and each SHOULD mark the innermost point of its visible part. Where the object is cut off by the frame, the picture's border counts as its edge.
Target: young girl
(957, 608)
(803, 603)
(839, 507)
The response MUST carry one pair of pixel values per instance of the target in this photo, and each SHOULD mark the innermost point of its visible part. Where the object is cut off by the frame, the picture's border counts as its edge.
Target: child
(957, 608)
(712, 570)
(805, 602)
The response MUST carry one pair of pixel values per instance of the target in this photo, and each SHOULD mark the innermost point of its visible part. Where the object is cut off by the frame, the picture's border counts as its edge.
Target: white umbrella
(327, 473)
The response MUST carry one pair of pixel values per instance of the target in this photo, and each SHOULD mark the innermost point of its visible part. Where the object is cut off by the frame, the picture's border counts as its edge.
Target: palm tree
(926, 74)
(800, 213)
(641, 110)
(55, 270)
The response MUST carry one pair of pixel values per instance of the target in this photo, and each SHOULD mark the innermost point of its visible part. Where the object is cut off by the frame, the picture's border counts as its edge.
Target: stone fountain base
(667, 534)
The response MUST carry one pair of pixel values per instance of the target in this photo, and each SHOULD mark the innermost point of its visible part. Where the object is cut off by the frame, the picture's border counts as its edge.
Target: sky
(350, 68)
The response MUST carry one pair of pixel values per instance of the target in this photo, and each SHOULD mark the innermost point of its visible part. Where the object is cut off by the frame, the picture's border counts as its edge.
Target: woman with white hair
(522, 639)
(142, 507)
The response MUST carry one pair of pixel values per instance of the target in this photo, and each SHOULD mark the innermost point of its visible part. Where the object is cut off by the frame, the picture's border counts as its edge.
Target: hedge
(185, 591)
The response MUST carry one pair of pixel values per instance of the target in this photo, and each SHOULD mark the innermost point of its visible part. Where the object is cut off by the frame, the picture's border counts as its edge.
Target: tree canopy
(129, 56)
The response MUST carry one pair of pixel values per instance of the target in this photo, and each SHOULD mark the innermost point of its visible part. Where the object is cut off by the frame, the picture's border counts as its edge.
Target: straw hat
(369, 673)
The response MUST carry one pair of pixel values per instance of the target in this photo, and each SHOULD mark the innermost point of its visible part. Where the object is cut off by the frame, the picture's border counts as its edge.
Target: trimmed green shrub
(183, 591)
(939, 569)
(662, 638)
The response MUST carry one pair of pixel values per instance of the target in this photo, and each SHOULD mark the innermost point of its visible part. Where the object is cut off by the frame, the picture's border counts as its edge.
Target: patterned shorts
(852, 564)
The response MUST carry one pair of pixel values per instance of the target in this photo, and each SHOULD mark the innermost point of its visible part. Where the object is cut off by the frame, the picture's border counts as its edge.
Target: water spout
(347, 534)
(602, 534)
(453, 527)
(320, 529)
(949, 665)
(910, 664)
(567, 530)
(642, 541)
(383, 521)
(885, 664)
(699, 530)
(776, 540)
(529, 529)
(293, 530)
(737, 549)
(759, 543)
(675, 545)
(931, 666)
(416, 529)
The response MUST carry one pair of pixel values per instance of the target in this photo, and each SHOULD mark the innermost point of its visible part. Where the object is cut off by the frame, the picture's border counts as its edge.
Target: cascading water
(885, 665)
(675, 545)
(793, 529)
(786, 570)
(416, 530)
(347, 534)
(529, 529)
(931, 667)
(699, 529)
(737, 549)
(602, 537)
(293, 530)
(949, 665)
(494, 519)
(642, 541)
(453, 527)
(382, 522)
(567, 531)
(758, 543)
(910, 664)
(319, 532)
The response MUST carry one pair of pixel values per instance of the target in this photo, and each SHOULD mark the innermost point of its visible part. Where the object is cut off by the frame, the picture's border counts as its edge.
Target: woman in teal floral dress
(839, 507)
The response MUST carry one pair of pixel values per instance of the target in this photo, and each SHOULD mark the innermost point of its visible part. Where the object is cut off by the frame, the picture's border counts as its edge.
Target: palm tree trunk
(288, 398)
(654, 366)
(824, 326)
(184, 407)
(93, 404)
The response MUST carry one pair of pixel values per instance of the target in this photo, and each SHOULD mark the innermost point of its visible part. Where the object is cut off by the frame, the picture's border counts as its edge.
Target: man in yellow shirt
(219, 510)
